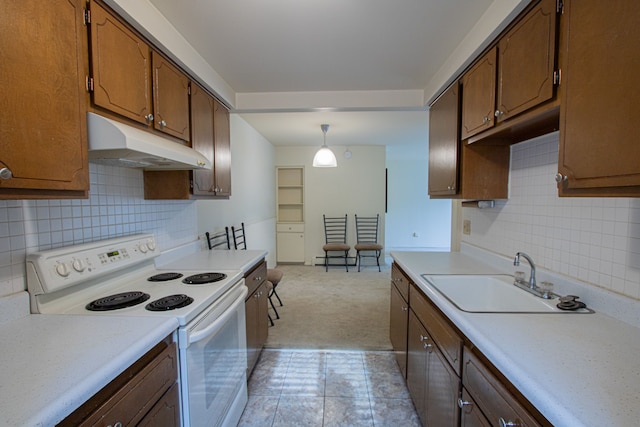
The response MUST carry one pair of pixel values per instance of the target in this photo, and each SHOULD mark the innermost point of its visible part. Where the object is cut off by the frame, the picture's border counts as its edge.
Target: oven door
(213, 362)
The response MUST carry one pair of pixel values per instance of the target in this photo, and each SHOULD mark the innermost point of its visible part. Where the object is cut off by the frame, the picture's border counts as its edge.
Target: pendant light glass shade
(325, 158)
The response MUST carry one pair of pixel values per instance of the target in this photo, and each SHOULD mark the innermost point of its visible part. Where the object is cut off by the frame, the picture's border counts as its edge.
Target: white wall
(356, 186)
(595, 240)
(409, 208)
(253, 191)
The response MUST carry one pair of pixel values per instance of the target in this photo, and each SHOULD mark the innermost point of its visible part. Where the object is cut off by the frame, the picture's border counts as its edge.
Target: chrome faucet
(532, 277)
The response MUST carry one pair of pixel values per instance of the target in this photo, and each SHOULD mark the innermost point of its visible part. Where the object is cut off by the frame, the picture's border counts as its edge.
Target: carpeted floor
(332, 310)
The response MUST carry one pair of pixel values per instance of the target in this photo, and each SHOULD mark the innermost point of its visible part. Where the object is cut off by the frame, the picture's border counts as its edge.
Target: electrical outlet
(466, 227)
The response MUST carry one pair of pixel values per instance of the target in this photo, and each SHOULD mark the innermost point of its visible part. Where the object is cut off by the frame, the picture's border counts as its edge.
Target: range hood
(117, 144)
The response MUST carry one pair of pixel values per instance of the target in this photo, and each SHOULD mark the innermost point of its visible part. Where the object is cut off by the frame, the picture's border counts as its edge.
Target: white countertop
(51, 364)
(576, 369)
(216, 260)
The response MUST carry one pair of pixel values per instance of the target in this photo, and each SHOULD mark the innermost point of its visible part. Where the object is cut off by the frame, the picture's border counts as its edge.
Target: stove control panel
(55, 269)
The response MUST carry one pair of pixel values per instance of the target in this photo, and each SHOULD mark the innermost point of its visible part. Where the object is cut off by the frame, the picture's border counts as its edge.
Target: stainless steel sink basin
(491, 294)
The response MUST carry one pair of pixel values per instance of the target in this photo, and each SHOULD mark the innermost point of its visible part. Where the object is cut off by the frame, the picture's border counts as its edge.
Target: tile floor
(327, 388)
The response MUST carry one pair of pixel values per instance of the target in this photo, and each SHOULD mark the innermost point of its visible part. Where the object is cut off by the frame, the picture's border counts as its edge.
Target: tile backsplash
(595, 240)
(115, 207)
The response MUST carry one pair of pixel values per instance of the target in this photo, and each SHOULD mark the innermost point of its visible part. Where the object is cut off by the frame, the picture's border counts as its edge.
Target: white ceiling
(284, 47)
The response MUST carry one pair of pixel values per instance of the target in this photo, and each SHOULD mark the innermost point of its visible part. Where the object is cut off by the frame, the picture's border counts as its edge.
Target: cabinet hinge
(89, 84)
(560, 6)
(557, 77)
(87, 16)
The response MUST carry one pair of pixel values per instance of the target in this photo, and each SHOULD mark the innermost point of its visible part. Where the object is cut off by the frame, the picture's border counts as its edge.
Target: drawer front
(443, 334)
(134, 400)
(401, 281)
(491, 396)
(255, 277)
(290, 228)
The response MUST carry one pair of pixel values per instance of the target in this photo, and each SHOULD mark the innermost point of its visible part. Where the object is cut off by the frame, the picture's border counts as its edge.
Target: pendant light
(324, 158)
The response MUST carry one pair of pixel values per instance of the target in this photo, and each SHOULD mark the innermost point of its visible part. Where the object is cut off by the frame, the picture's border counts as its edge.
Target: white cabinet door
(290, 247)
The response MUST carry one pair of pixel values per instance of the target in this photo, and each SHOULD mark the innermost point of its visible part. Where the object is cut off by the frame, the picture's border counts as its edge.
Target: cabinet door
(470, 415)
(479, 95)
(600, 96)
(398, 322)
(251, 315)
(166, 412)
(443, 389)
(202, 138)
(43, 101)
(121, 66)
(444, 143)
(222, 153)
(170, 98)
(290, 247)
(417, 365)
(526, 61)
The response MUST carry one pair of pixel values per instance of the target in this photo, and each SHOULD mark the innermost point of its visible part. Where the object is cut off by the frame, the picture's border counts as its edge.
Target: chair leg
(346, 260)
(271, 320)
(358, 260)
(326, 261)
(274, 307)
(273, 292)
(378, 259)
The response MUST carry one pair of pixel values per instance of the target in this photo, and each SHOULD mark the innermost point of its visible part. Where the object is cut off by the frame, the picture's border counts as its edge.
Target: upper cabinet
(600, 96)
(133, 81)
(457, 170)
(210, 135)
(513, 77)
(170, 98)
(43, 101)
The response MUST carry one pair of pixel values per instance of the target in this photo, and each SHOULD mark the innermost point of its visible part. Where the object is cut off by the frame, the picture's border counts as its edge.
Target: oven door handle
(220, 321)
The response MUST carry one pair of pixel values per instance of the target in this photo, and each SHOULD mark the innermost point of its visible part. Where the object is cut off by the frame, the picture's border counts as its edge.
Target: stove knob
(151, 245)
(62, 269)
(142, 247)
(78, 265)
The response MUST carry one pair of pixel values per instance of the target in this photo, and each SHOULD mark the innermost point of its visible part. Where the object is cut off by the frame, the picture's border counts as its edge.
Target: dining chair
(216, 240)
(367, 237)
(335, 235)
(273, 274)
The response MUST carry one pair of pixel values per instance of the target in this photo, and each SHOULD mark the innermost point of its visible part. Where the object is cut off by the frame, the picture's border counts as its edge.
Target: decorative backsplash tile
(595, 240)
(115, 207)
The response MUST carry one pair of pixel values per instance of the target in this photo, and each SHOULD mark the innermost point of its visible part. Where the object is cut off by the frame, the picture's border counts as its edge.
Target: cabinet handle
(560, 178)
(404, 308)
(5, 173)
(427, 346)
(149, 117)
(163, 123)
(485, 120)
(504, 423)
(463, 403)
(498, 113)
(424, 338)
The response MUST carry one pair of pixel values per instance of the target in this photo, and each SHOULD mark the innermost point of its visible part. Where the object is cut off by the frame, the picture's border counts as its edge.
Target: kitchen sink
(492, 294)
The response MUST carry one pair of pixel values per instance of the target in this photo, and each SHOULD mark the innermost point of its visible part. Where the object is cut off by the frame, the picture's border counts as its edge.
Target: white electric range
(117, 277)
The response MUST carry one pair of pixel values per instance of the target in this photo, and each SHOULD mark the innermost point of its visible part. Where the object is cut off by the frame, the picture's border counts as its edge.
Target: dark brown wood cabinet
(492, 398)
(134, 81)
(146, 393)
(257, 315)
(121, 67)
(478, 96)
(399, 316)
(517, 75)
(600, 98)
(43, 132)
(170, 98)
(210, 135)
(433, 384)
(457, 169)
(526, 62)
(470, 414)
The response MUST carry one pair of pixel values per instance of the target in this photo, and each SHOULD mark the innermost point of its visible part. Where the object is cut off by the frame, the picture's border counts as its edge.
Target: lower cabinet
(145, 394)
(432, 383)
(290, 242)
(257, 315)
(450, 382)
